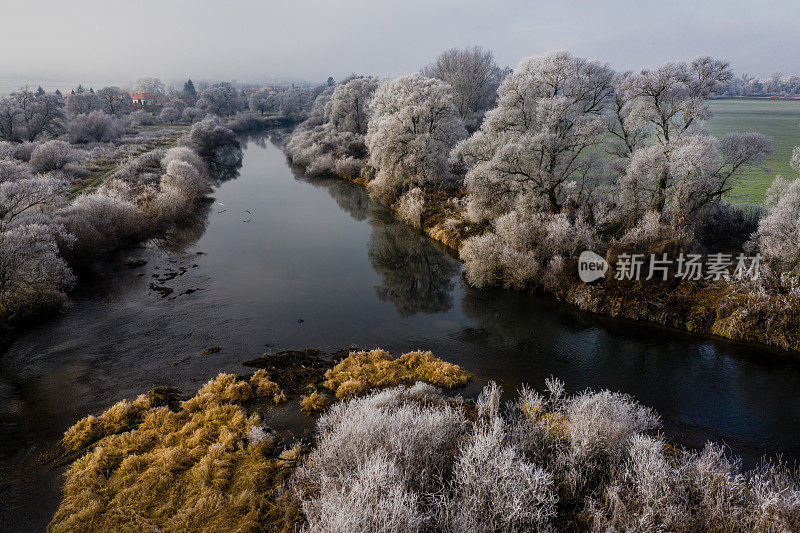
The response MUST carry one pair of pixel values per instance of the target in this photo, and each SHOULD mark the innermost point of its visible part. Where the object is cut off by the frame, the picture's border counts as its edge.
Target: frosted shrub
(410, 207)
(601, 424)
(95, 127)
(101, 222)
(324, 150)
(420, 439)
(190, 115)
(520, 249)
(185, 180)
(13, 170)
(495, 489)
(33, 275)
(181, 153)
(212, 140)
(52, 155)
(141, 117)
(372, 499)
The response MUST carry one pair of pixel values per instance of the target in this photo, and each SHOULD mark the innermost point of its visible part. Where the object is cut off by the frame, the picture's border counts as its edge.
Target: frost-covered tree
(348, 107)
(474, 77)
(262, 101)
(115, 101)
(676, 166)
(95, 127)
(150, 85)
(82, 104)
(221, 99)
(169, 115)
(191, 115)
(413, 127)
(535, 147)
(24, 116)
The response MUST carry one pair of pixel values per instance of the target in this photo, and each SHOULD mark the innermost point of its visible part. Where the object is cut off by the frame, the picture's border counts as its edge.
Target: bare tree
(115, 100)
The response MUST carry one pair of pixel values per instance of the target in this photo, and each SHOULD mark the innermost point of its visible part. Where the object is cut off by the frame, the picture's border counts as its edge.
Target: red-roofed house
(145, 99)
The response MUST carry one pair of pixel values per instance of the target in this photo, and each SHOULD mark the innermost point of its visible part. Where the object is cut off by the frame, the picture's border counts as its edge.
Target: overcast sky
(250, 40)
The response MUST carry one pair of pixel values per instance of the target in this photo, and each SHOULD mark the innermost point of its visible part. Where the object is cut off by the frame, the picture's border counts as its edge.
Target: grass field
(779, 119)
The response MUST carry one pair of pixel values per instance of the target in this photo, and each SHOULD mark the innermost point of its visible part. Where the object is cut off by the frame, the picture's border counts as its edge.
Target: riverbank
(723, 309)
(316, 264)
(396, 453)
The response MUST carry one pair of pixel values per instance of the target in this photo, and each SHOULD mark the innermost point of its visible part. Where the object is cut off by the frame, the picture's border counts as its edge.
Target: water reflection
(416, 276)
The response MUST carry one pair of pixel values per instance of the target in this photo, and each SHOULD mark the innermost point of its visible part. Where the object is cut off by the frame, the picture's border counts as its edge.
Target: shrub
(191, 115)
(181, 153)
(314, 402)
(410, 207)
(33, 275)
(95, 127)
(169, 115)
(140, 117)
(52, 155)
(213, 141)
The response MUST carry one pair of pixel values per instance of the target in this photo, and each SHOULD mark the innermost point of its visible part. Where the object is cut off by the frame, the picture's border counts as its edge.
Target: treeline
(566, 155)
(776, 85)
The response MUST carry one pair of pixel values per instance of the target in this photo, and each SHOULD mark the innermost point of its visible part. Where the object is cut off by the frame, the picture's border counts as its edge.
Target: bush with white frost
(141, 117)
(95, 126)
(410, 207)
(169, 115)
(33, 275)
(582, 462)
(778, 235)
(214, 142)
(52, 155)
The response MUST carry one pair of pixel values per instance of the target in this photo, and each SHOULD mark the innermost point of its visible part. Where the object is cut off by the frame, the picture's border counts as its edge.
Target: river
(278, 261)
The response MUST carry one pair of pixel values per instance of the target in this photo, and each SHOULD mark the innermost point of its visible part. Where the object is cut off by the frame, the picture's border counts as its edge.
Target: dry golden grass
(361, 371)
(204, 467)
(314, 402)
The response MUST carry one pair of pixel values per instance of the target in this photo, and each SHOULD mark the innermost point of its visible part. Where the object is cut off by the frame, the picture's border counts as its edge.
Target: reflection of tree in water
(187, 231)
(352, 199)
(415, 275)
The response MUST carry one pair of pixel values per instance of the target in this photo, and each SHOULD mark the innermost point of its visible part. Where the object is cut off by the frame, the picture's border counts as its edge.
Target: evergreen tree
(189, 90)
(39, 91)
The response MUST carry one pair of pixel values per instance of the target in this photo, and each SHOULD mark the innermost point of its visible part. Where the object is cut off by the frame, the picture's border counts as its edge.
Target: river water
(278, 261)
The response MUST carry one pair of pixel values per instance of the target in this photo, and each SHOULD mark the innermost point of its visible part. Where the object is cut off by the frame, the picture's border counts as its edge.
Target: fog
(250, 40)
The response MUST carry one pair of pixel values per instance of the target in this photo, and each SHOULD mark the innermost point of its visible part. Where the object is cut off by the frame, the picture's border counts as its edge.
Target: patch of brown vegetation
(314, 403)
(207, 466)
(362, 370)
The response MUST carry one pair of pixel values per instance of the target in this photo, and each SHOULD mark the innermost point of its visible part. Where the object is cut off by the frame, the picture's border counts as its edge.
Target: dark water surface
(278, 250)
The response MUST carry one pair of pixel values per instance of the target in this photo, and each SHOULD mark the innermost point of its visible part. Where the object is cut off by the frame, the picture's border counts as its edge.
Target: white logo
(591, 266)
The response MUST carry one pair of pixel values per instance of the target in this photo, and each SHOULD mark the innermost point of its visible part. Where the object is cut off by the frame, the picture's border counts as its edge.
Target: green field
(778, 119)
